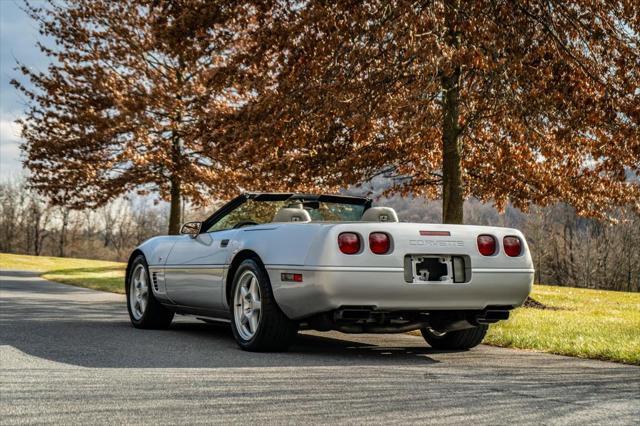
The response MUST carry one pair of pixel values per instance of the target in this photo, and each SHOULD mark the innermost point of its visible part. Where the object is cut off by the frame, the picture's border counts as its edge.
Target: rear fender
(277, 244)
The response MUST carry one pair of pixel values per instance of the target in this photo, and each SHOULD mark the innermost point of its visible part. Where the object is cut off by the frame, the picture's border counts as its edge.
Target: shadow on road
(386, 377)
(87, 328)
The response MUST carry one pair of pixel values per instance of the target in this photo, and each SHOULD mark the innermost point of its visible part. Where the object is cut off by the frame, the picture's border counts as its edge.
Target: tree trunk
(452, 190)
(175, 218)
(63, 231)
(37, 231)
(175, 215)
(36, 239)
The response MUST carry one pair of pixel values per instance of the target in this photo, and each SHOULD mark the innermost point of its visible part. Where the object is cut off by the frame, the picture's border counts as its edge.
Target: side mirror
(191, 228)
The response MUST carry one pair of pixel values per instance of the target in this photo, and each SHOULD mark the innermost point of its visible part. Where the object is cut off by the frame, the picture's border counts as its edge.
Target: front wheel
(144, 310)
(455, 340)
(258, 323)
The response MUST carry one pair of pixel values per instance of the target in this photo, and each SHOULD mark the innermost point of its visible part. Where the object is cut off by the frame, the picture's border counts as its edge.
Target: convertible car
(271, 264)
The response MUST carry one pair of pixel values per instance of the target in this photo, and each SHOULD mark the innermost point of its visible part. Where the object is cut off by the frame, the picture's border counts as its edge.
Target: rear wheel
(258, 323)
(144, 309)
(460, 339)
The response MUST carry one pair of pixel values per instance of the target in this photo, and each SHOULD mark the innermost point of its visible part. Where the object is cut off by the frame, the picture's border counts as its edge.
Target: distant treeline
(567, 249)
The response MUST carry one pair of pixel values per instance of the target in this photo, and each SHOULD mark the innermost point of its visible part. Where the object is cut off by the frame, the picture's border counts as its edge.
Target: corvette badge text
(430, 243)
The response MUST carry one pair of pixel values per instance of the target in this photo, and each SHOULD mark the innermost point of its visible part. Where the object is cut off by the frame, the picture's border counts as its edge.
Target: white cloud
(10, 140)
(9, 131)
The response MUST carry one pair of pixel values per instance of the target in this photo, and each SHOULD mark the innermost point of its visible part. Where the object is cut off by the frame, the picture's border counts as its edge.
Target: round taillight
(487, 245)
(379, 242)
(512, 246)
(349, 243)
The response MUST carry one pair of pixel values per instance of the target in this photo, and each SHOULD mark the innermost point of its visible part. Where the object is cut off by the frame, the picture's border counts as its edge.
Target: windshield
(250, 213)
(254, 212)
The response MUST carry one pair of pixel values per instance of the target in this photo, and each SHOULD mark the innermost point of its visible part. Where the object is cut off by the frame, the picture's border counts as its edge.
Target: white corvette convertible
(271, 264)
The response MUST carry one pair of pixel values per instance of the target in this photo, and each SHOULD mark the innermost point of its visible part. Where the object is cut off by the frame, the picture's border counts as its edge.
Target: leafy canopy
(547, 105)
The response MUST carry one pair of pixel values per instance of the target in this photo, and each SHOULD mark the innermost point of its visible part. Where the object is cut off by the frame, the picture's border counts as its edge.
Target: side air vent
(154, 278)
(157, 281)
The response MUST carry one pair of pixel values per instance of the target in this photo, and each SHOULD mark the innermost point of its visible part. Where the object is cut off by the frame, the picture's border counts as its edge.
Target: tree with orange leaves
(523, 102)
(122, 104)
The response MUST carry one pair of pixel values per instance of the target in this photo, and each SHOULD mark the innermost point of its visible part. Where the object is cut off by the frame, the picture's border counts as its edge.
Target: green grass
(583, 323)
(95, 274)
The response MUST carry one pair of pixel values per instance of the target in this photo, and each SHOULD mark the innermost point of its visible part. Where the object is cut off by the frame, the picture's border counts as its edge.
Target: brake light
(487, 245)
(349, 242)
(435, 233)
(379, 242)
(512, 246)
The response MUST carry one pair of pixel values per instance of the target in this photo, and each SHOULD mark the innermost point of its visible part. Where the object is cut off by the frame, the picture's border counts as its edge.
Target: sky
(18, 35)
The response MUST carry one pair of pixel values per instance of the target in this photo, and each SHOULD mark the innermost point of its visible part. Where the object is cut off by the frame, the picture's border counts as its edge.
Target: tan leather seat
(287, 214)
(379, 214)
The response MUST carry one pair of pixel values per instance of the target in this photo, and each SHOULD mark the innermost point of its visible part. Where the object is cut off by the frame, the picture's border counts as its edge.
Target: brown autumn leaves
(522, 102)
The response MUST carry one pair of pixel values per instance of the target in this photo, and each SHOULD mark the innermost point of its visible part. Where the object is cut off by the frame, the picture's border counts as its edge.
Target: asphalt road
(68, 355)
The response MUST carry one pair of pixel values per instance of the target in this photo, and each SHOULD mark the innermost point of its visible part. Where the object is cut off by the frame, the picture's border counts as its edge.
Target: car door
(195, 268)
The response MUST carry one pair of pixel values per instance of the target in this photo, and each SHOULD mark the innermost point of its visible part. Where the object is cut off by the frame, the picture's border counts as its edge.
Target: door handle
(224, 243)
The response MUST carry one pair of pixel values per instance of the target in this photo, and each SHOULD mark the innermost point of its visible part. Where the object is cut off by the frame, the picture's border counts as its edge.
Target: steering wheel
(244, 223)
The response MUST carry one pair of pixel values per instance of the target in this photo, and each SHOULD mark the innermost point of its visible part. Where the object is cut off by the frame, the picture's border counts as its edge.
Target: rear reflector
(379, 242)
(435, 233)
(285, 276)
(512, 246)
(349, 242)
(487, 245)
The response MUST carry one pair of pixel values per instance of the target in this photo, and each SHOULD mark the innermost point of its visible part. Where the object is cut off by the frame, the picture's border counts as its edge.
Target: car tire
(145, 311)
(266, 329)
(455, 340)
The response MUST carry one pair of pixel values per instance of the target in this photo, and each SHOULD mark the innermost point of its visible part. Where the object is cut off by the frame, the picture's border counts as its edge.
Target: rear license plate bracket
(432, 269)
(443, 269)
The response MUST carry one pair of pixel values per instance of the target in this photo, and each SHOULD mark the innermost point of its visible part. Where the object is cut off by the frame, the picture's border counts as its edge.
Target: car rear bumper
(326, 288)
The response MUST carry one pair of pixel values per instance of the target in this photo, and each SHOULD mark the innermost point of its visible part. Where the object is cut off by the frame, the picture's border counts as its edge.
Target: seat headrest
(379, 214)
(287, 214)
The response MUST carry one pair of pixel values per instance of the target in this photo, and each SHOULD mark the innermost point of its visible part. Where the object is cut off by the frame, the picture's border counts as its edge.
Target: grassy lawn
(583, 323)
(95, 274)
